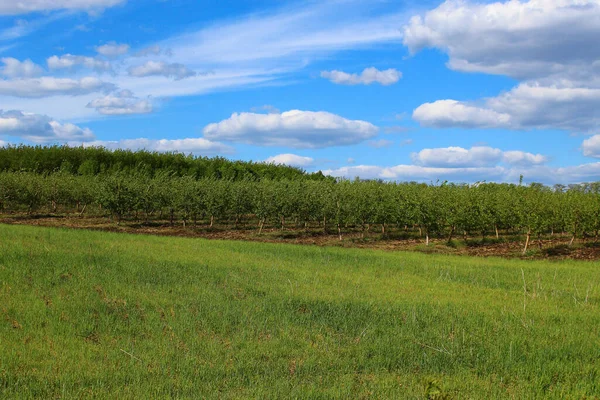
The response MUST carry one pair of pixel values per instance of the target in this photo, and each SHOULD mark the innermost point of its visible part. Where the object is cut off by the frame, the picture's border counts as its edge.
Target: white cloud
(475, 157)
(418, 173)
(249, 51)
(13, 7)
(448, 113)
(457, 157)
(14, 68)
(199, 146)
(544, 174)
(522, 158)
(160, 68)
(292, 33)
(591, 147)
(549, 45)
(527, 106)
(291, 159)
(295, 128)
(367, 77)
(40, 128)
(49, 86)
(69, 61)
(121, 103)
(153, 50)
(381, 143)
(113, 49)
(524, 39)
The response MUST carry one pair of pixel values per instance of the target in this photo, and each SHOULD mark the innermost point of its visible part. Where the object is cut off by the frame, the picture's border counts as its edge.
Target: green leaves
(349, 205)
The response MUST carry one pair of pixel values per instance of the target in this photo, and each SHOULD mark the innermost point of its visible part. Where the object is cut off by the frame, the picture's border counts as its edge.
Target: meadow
(87, 314)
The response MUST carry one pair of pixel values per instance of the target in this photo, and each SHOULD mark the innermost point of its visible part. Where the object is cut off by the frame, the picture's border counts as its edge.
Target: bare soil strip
(554, 247)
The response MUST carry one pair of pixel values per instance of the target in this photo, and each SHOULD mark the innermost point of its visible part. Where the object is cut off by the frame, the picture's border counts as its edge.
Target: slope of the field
(103, 315)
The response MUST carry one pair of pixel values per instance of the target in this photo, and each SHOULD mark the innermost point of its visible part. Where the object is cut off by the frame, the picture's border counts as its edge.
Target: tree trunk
(212, 221)
(282, 222)
(260, 226)
(383, 229)
(451, 233)
(82, 210)
(339, 232)
(426, 238)
(572, 240)
(497, 235)
(325, 225)
(527, 241)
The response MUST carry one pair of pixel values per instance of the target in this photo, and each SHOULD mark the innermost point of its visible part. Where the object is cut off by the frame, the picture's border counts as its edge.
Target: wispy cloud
(367, 77)
(257, 49)
(14, 7)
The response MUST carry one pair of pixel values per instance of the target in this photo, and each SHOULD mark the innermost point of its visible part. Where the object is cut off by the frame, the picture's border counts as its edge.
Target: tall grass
(102, 315)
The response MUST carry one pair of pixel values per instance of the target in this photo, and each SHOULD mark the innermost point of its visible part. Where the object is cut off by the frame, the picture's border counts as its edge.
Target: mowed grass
(102, 315)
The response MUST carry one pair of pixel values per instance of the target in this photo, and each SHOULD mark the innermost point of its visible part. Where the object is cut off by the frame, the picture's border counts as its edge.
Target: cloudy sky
(461, 90)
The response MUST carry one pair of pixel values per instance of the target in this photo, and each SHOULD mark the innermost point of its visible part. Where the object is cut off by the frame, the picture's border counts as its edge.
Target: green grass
(102, 315)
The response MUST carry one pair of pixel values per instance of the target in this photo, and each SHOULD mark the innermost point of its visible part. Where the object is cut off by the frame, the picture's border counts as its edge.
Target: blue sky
(402, 90)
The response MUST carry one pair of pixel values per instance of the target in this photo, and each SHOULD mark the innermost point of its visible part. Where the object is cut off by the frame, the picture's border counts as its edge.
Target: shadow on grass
(558, 250)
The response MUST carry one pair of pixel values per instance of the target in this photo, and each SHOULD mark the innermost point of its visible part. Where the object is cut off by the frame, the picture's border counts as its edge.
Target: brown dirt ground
(554, 247)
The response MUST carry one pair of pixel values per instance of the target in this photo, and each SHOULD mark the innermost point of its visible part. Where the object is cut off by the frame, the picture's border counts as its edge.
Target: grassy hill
(103, 315)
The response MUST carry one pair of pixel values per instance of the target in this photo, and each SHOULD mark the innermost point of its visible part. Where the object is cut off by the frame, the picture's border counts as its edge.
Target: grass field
(102, 315)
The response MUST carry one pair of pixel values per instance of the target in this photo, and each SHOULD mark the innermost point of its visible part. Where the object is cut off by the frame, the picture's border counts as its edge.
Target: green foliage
(91, 161)
(437, 210)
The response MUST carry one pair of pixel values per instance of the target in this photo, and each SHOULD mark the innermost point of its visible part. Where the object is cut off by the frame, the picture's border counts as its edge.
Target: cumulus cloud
(367, 77)
(14, 68)
(511, 174)
(69, 61)
(522, 158)
(40, 128)
(591, 147)
(475, 157)
(199, 146)
(528, 106)
(50, 86)
(12, 7)
(121, 103)
(291, 159)
(550, 46)
(161, 68)
(153, 50)
(112, 49)
(523, 39)
(295, 128)
(448, 113)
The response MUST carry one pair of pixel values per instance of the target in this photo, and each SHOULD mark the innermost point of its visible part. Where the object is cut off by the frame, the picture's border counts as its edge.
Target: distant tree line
(98, 160)
(448, 211)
